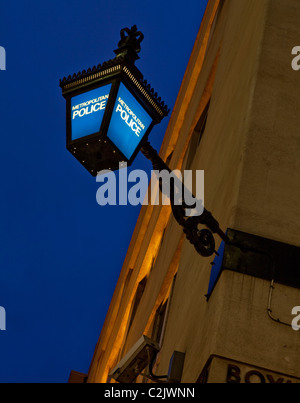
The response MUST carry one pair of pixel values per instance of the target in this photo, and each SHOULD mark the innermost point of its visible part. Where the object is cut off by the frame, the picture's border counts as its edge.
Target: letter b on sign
(233, 374)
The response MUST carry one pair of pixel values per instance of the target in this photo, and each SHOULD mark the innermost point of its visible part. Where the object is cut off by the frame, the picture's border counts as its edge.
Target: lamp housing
(111, 109)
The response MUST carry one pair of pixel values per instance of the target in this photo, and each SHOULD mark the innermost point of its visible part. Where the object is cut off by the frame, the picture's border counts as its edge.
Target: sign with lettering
(87, 111)
(223, 370)
(110, 110)
(129, 123)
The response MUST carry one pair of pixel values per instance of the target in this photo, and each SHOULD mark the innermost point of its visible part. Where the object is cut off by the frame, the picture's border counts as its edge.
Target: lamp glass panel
(87, 111)
(129, 122)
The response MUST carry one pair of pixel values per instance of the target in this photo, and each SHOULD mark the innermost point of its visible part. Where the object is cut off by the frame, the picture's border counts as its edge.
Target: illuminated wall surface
(129, 123)
(88, 111)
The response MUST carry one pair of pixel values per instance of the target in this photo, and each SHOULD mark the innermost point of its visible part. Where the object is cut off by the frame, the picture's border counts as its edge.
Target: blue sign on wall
(129, 123)
(216, 269)
(87, 111)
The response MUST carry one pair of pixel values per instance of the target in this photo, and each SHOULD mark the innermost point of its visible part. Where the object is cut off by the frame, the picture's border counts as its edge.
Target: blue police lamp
(111, 109)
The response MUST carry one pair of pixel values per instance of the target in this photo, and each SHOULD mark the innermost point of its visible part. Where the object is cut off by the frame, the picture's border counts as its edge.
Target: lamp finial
(130, 44)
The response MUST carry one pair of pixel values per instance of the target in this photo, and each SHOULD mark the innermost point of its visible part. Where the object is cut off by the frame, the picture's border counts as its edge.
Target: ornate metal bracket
(203, 239)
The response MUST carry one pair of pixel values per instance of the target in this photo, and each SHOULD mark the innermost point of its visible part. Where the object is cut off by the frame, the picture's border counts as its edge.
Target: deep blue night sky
(61, 253)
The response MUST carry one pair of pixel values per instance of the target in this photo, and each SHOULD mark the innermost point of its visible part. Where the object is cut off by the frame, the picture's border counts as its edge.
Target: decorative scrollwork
(203, 239)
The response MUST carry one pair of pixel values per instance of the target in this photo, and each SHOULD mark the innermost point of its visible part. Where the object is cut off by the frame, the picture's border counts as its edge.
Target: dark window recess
(138, 296)
(128, 277)
(197, 136)
(159, 322)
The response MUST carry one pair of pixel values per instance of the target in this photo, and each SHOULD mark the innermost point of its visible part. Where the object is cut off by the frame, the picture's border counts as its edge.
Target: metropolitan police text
(98, 104)
(86, 108)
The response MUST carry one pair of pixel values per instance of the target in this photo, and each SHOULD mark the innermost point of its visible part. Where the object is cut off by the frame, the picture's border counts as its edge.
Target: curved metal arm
(203, 240)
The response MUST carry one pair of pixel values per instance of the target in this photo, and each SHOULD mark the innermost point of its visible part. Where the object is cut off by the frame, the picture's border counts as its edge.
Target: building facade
(236, 118)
